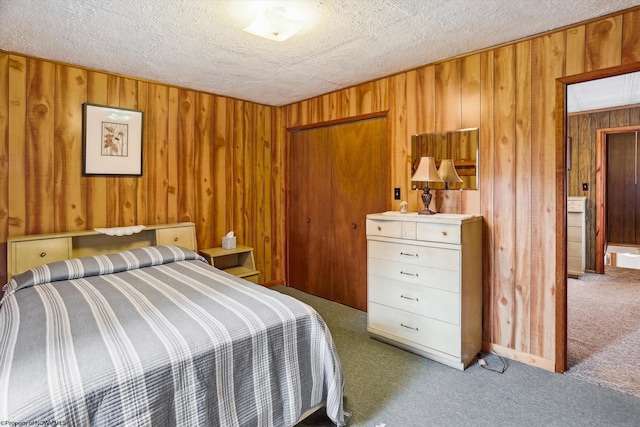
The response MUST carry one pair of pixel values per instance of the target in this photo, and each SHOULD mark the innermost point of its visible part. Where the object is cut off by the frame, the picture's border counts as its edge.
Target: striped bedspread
(155, 336)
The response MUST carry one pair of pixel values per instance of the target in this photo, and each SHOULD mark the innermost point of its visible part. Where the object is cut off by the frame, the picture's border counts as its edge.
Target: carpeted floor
(603, 331)
(387, 386)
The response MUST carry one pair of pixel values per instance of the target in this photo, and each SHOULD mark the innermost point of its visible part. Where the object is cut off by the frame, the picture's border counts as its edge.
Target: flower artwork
(115, 139)
(112, 141)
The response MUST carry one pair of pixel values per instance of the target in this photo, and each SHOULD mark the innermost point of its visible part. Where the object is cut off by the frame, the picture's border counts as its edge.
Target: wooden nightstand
(238, 261)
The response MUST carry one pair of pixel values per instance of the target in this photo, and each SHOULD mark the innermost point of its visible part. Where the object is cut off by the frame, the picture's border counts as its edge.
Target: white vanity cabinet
(424, 283)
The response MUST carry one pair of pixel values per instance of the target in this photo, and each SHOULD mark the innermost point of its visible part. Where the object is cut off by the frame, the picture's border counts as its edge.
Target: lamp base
(426, 200)
(427, 212)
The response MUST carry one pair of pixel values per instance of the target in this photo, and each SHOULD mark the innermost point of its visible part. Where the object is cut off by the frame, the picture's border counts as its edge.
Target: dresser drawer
(446, 280)
(575, 206)
(574, 234)
(440, 336)
(574, 220)
(574, 264)
(384, 228)
(178, 236)
(447, 259)
(574, 249)
(28, 254)
(444, 233)
(434, 303)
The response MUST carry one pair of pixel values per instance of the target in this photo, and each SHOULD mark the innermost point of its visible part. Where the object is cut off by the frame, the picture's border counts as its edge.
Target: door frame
(561, 200)
(601, 183)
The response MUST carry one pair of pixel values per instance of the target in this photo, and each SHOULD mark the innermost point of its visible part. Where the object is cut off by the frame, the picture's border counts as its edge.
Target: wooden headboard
(25, 252)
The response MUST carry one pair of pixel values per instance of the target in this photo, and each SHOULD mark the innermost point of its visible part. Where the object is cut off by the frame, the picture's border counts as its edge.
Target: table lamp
(447, 172)
(426, 172)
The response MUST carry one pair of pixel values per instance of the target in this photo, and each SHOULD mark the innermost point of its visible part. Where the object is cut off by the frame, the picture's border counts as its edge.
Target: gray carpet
(603, 329)
(386, 385)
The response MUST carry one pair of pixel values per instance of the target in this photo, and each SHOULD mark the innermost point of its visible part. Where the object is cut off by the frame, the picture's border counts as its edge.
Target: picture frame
(112, 141)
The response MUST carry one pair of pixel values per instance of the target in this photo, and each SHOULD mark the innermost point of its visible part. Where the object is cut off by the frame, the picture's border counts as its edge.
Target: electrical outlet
(396, 193)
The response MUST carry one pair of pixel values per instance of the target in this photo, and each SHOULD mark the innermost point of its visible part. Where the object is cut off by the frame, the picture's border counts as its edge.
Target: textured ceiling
(604, 93)
(199, 44)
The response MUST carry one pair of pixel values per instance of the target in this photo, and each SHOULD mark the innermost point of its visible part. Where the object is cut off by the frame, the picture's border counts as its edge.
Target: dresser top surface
(416, 217)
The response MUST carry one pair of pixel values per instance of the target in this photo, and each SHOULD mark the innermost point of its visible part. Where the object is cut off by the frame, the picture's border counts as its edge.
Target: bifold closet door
(623, 189)
(359, 186)
(338, 174)
(310, 212)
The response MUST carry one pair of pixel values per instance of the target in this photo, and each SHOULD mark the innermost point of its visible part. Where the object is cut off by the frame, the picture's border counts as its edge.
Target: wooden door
(310, 212)
(338, 174)
(623, 189)
(298, 230)
(359, 186)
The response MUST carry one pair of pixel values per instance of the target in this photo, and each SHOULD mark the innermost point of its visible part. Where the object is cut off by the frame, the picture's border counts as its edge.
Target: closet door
(338, 175)
(359, 186)
(298, 231)
(623, 189)
(310, 212)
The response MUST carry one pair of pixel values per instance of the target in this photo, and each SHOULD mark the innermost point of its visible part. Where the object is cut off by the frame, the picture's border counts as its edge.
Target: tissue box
(229, 242)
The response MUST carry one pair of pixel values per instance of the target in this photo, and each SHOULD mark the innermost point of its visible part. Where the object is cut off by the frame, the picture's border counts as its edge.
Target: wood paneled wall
(219, 162)
(207, 159)
(510, 93)
(581, 128)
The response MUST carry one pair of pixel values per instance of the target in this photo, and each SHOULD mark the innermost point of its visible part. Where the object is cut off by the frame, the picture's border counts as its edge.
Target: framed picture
(112, 141)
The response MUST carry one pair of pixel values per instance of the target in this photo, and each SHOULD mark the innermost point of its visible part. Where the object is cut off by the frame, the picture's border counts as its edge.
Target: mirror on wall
(460, 145)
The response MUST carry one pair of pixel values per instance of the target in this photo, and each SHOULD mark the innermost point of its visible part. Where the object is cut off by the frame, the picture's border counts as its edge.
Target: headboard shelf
(25, 252)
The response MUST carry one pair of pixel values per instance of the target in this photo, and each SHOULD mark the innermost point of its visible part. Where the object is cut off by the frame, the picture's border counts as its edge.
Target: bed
(156, 336)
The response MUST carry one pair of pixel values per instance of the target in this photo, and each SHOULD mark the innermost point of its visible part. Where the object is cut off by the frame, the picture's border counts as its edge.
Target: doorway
(618, 195)
(602, 313)
(561, 215)
(587, 170)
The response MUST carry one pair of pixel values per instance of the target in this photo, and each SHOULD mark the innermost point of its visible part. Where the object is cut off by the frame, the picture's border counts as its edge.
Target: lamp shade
(448, 172)
(426, 171)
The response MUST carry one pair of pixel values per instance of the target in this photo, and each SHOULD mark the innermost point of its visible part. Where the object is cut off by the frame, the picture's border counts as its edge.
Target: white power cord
(483, 364)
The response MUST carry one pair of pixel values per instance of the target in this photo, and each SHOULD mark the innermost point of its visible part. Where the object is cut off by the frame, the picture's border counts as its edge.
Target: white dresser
(576, 236)
(424, 282)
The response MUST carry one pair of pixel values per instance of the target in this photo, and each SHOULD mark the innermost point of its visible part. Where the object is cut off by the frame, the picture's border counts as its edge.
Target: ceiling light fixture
(275, 23)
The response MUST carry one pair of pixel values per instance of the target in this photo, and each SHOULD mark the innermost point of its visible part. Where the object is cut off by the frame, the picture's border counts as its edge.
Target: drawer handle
(354, 225)
(409, 327)
(444, 233)
(379, 228)
(409, 274)
(175, 239)
(43, 254)
(408, 254)
(308, 220)
(409, 298)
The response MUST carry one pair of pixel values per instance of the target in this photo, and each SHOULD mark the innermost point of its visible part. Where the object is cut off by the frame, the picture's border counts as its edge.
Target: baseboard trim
(273, 283)
(529, 359)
